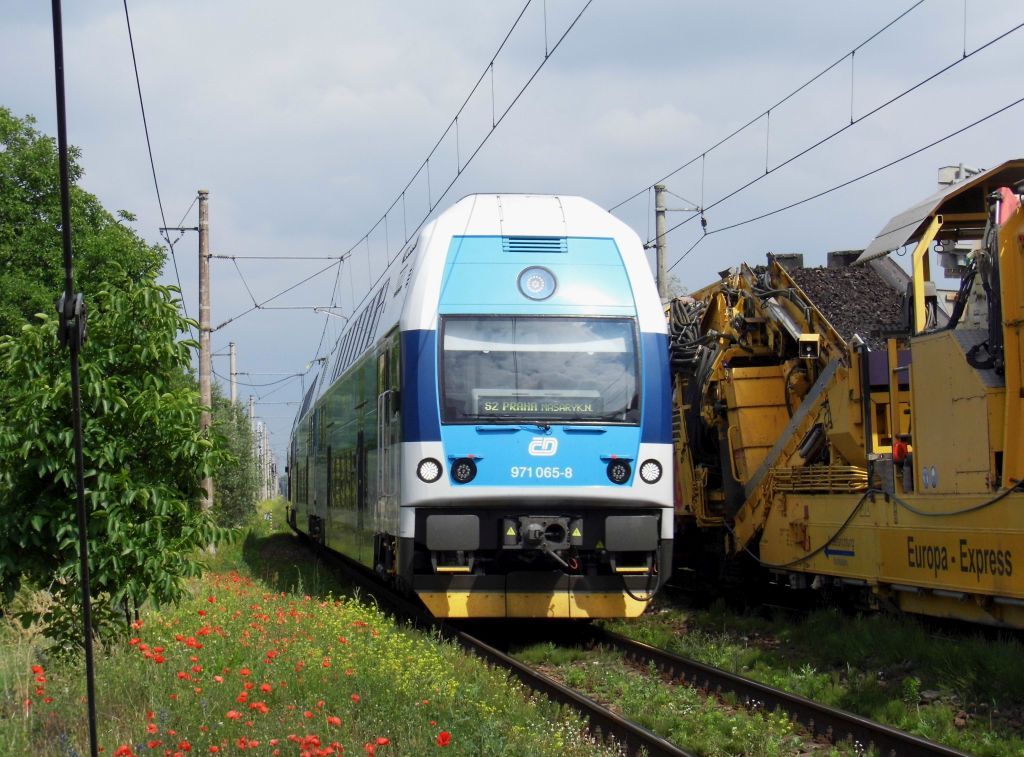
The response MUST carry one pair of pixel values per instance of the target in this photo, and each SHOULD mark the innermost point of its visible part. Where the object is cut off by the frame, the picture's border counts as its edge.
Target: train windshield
(539, 369)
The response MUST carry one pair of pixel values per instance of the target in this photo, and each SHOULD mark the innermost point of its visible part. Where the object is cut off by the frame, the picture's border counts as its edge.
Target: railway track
(831, 723)
(604, 724)
(834, 724)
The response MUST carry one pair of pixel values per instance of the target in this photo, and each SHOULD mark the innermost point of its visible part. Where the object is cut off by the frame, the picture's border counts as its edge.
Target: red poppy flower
(244, 672)
(369, 748)
(307, 714)
(383, 741)
(444, 738)
(265, 687)
(355, 698)
(151, 728)
(233, 715)
(333, 720)
(37, 669)
(153, 744)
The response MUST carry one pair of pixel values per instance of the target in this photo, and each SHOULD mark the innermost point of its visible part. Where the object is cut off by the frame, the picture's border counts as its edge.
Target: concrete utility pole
(233, 358)
(205, 357)
(660, 242)
(252, 408)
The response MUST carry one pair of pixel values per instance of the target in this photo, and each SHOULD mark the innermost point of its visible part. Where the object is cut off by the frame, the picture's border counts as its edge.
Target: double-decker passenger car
(492, 430)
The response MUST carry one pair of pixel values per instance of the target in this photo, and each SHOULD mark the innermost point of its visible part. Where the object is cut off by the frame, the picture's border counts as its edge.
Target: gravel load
(854, 299)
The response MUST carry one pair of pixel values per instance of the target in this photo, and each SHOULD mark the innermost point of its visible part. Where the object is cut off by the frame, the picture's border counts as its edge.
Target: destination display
(540, 407)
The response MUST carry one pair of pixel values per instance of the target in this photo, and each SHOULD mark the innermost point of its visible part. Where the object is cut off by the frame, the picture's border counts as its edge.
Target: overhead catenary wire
(259, 305)
(837, 132)
(765, 113)
(848, 182)
(496, 121)
(152, 162)
(289, 377)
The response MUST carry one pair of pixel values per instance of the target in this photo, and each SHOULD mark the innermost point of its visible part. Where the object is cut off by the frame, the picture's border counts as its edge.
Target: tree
(144, 454)
(31, 262)
(235, 482)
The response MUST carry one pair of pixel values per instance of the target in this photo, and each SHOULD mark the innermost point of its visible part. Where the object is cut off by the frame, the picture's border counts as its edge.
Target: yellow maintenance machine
(895, 473)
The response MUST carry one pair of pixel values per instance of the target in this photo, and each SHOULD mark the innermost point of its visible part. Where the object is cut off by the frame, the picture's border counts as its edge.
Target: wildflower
(244, 672)
(218, 679)
(214, 749)
(307, 714)
(37, 669)
(48, 700)
(233, 715)
(185, 746)
(154, 743)
(265, 687)
(124, 750)
(151, 728)
(211, 600)
(370, 749)
(242, 698)
(383, 741)
(326, 663)
(333, 720)
(444, 738)
(355, 698)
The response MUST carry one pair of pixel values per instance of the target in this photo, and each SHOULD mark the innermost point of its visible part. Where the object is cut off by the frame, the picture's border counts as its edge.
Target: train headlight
(429, 470)
(618, 471)
(650, 471)
(463, 470)
(537, 283)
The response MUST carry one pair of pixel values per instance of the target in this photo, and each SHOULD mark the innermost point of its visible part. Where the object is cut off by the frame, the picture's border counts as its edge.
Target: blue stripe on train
(657, 400)
(420, 418)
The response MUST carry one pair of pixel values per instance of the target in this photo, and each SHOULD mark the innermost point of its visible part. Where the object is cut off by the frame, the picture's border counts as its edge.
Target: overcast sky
(305, 120)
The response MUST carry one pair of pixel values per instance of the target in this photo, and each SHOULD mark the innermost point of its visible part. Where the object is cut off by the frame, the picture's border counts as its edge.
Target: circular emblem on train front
(537, 283)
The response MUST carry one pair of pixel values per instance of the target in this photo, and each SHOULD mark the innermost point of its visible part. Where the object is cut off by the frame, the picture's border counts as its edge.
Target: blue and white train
(492, 430)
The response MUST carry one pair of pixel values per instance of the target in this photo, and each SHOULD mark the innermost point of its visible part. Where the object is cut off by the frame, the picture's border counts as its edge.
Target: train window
(543, 369)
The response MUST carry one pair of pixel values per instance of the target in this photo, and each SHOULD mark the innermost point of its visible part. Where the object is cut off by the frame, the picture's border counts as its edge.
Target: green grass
(876, 666)
(268, 655)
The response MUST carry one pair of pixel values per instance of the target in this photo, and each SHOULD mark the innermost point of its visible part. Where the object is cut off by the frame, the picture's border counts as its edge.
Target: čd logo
(543, 446)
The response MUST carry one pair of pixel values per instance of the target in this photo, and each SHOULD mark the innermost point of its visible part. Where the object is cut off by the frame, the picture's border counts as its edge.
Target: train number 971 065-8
(540, 471)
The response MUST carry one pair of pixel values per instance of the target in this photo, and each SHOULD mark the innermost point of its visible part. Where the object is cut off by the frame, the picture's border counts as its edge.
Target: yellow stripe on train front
(464, 604)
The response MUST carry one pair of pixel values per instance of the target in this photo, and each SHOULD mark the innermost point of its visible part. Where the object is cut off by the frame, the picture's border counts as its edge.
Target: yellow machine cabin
(895, 471)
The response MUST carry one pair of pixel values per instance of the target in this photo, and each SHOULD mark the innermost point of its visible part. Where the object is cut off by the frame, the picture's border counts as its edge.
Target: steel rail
(603, 722)
(821, 720)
